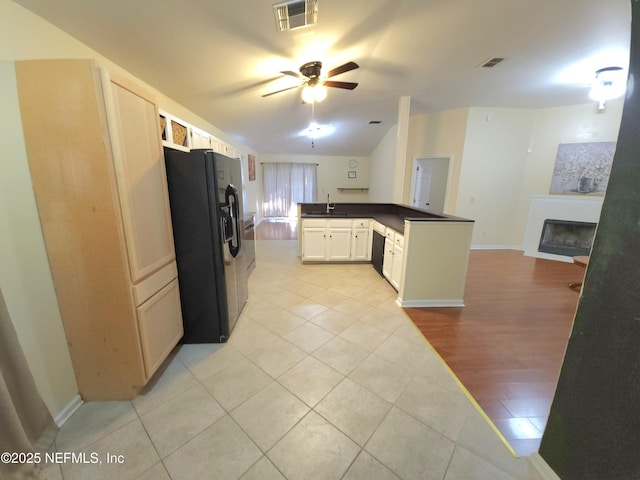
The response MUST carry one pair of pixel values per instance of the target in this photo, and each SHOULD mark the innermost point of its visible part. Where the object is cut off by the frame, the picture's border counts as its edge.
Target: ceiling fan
(314, 83)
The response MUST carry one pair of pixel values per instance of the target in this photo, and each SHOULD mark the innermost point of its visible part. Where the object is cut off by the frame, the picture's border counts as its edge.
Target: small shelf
(353, 189)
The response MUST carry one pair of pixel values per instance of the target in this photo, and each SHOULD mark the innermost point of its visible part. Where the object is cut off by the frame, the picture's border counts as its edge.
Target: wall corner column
(402, 136)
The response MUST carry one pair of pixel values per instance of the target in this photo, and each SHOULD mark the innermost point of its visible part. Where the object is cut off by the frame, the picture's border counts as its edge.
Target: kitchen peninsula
(424, 255)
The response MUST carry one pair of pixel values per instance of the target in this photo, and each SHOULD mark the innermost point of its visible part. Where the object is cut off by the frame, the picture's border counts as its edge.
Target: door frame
(414, 177)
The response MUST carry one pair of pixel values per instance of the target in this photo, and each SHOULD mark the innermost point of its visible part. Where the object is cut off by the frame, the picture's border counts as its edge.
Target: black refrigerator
(205, 195)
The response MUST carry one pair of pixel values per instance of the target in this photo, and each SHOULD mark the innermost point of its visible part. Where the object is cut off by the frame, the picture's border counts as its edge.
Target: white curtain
(287, 184)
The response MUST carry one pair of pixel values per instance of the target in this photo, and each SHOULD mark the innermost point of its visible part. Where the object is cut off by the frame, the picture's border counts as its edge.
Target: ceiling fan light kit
(314, 93)
(314, 83)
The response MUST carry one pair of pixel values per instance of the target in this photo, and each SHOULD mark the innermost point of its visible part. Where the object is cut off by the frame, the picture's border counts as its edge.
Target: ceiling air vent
(492, 62)
(295, 14)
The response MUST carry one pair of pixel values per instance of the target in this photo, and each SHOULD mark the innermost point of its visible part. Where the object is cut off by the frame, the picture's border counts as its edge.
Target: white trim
(496, 247)
(64, 415)
(550, 256)
(542, 467)
(430, 303)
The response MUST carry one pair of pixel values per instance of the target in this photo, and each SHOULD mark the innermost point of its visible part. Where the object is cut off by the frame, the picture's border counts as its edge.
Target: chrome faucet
(329, 206)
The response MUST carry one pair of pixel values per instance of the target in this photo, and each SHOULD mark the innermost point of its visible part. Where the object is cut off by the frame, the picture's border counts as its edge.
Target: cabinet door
(314, 244)
(360, 245)
(160, 326)
(339, 248)
(396, 268)
(200, 139)
(387, 264)
(139, 163)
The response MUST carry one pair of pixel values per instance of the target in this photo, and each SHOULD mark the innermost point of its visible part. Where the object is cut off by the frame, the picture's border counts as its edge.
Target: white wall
(25, 278)
(498, 165)
(492, 173)
(438, 135)
(553, 126)
(383, 168)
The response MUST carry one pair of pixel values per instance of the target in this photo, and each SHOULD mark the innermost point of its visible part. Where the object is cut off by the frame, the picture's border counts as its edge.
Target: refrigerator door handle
(231, 198)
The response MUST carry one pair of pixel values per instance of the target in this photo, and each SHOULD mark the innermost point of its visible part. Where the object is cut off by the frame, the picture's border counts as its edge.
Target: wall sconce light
(609, 84)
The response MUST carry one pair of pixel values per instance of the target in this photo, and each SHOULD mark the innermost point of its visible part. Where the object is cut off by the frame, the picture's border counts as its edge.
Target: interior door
(422, 185)
(429, 183)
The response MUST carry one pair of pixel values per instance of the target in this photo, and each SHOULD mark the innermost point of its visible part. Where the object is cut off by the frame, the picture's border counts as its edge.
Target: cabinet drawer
(339, 223)
(314, 222)
(361, 223)
(389, 233)
(143, 290)
(160, 326)
(399, 239)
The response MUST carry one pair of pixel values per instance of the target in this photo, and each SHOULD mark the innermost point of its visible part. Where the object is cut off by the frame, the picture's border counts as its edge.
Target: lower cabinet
(336, 240)
(338, 243)
(393, 258)
(160, 326)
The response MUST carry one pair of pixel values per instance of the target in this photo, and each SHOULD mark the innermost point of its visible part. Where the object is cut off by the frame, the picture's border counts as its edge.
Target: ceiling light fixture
(313, 93)
(609, 84)
(315, 130)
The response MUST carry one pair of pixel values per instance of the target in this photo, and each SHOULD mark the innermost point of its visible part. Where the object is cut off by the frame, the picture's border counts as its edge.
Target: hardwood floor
(507, 344)
(277, 229)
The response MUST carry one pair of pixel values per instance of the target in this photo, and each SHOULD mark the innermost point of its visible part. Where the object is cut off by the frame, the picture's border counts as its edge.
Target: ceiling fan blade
(345, 85)
(291, 74)
(347, 67)
(278, 91)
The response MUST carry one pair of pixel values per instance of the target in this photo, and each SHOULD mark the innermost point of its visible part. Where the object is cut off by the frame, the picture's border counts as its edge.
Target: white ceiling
(218, 58)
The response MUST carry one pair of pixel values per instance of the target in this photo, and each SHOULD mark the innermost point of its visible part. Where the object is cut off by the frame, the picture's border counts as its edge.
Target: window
(287, 184)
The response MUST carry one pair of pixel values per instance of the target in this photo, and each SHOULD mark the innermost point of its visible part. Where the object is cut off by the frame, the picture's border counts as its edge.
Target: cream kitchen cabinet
(314, 240)
(392, 266)
(97, 168)
(361, 240)
(326, 240)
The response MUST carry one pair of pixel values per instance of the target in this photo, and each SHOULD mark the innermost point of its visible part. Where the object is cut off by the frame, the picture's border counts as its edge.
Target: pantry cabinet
(97, 167)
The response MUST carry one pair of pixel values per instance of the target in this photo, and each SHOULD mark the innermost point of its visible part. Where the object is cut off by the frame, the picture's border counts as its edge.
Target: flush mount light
(609, 84)
(315, 130)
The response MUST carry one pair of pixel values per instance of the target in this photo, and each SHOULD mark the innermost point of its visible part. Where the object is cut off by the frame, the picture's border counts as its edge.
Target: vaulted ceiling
(218, 58)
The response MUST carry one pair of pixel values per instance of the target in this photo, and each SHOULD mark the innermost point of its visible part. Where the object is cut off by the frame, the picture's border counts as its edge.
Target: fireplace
(564, 237)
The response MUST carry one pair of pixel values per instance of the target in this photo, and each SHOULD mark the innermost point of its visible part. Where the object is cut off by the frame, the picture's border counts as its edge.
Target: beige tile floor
(323, 377)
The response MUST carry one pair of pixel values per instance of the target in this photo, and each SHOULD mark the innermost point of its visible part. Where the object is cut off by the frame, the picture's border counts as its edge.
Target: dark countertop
(389, 214)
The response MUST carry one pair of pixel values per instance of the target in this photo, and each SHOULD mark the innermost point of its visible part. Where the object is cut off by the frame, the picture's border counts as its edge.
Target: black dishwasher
(377, 251)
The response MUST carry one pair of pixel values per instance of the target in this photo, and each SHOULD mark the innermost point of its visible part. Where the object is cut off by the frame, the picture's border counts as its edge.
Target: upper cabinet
(97, 170)
(178, 134)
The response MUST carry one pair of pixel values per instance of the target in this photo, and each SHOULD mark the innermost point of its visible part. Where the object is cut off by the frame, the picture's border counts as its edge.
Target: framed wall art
(582, 168)
(252, 167)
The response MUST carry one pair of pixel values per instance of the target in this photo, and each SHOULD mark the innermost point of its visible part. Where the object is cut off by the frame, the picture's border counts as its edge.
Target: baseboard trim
(542, 467)
(496, 247)
(430, 303)
(71, 407)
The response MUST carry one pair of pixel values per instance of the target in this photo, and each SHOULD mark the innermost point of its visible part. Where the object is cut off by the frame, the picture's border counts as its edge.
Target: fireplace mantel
(561, 207)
